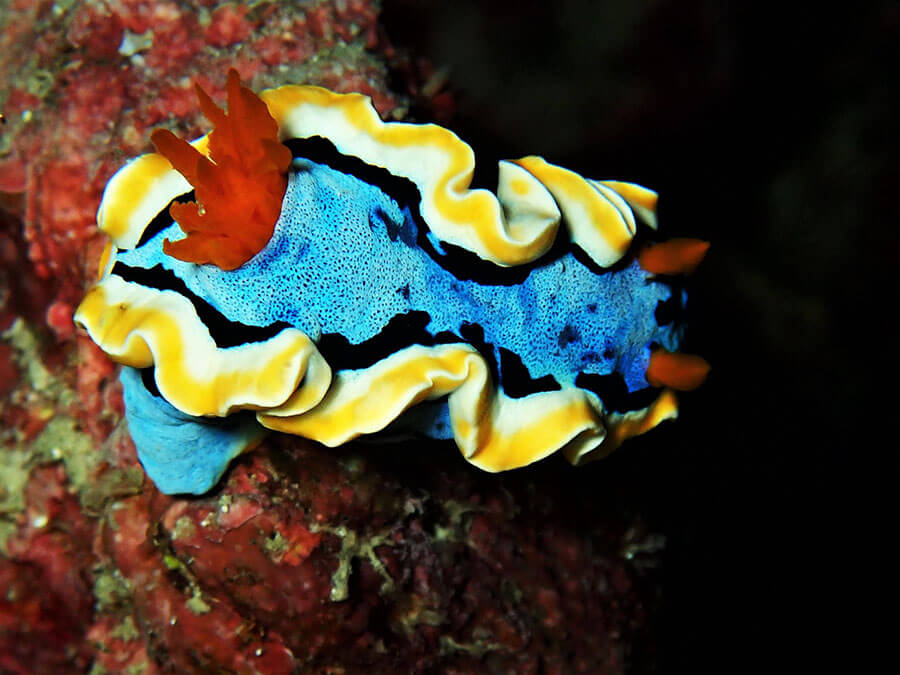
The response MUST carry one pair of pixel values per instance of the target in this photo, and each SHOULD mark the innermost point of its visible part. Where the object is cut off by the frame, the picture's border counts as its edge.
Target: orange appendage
(676, 256)
(239, 188)
(682, 372)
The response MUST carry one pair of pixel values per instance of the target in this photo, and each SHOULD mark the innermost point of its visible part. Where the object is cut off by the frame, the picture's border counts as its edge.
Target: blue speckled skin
(343, 259)
(181, 453)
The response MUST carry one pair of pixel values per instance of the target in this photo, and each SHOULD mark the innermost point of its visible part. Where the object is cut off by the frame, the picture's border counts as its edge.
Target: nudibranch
(310, 269)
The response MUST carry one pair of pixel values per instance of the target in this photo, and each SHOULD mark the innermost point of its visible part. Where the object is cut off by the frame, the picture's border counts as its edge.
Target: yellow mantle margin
(513, 227)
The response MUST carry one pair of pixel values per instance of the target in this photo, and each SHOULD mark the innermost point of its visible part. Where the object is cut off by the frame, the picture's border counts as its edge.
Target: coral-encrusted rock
(321, 560)
(360, 559)
(45, 578)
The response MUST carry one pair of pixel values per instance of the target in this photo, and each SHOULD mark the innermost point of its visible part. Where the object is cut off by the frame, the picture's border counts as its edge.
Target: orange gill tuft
(238, 188)
(683, 372)
(676, 256)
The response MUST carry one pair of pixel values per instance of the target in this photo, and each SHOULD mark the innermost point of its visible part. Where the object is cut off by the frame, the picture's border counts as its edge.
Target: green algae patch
(184, 529)
(477, 649)
(110, 591)
(59, 441)
(26, 344)
(275, 545)
(353, 547)
(14, 470)
(197, 604)
(62, 440)
(112, 485)
(126, 630)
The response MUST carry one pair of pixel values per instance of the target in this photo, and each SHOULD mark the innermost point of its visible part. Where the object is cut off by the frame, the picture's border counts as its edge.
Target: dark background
(769, 130)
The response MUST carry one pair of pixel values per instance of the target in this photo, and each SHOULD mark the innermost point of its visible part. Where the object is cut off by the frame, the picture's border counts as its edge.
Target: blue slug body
(345, 260)
(179, 452)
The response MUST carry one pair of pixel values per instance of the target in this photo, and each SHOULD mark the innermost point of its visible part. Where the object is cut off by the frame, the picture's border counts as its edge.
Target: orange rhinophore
(676, 256)
(683, 372)
(238, 188)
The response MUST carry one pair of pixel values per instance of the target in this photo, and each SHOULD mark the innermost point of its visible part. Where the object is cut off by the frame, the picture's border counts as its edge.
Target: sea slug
(311, 269)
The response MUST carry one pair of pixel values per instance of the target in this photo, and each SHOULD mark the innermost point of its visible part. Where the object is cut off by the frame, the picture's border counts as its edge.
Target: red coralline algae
(95, 385)
(304, 559)
(45, 577)
(31, 615)
(117, 649)
(228, 25)
(171, 606)
(9, 371)
(97, 35)
(59, 319)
